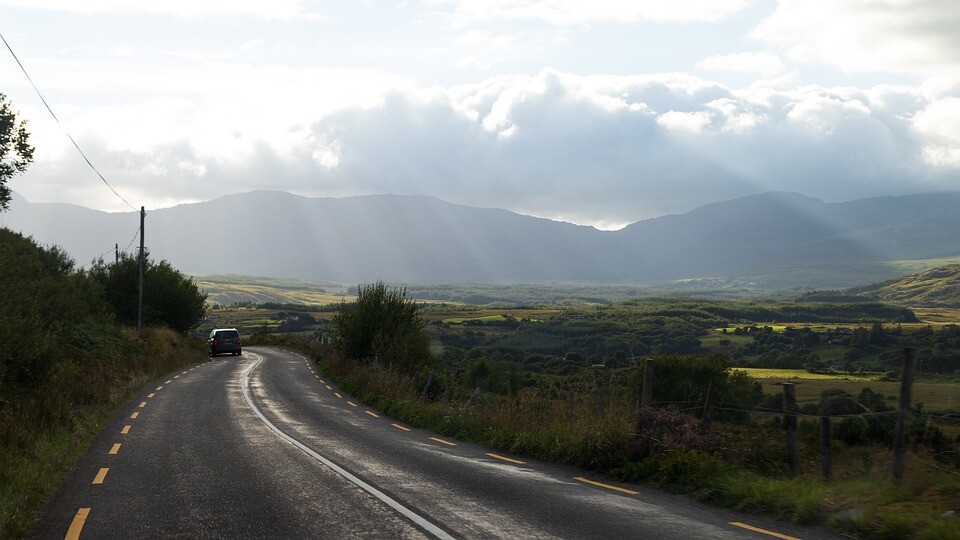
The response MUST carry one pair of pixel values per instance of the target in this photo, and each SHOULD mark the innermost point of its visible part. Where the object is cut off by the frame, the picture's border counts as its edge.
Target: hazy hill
(774, 240)
(937, 287)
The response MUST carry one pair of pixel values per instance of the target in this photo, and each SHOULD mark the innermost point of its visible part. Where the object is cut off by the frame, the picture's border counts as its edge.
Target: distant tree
(15, 150)
(170, 298)
(877, 336)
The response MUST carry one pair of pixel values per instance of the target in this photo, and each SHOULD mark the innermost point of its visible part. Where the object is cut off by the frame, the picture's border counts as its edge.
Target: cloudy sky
(599, 113)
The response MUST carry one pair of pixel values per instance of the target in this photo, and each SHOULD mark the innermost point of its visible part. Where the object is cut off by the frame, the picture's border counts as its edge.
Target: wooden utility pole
(790, 425)
(116, 253)
(143, 214)
(646, 395)
(901, 436)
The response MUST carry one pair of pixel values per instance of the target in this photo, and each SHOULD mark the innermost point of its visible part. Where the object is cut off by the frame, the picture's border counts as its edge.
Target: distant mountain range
(773, 240)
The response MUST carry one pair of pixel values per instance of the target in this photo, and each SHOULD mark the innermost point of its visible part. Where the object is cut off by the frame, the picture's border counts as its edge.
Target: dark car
(224, 340)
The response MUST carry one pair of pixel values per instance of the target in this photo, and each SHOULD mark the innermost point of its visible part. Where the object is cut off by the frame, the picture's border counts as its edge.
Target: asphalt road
(261, 446)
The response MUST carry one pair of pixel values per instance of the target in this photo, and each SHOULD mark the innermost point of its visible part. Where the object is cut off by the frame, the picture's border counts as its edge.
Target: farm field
(935, 396)
(487, 315)
(226, 293)
(938, 315)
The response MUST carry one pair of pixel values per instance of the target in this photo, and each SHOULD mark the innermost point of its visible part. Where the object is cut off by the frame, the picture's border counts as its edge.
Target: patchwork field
(228, 290)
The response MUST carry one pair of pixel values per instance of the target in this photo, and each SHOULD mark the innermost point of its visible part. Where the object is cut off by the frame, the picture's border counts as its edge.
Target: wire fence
(904, 414)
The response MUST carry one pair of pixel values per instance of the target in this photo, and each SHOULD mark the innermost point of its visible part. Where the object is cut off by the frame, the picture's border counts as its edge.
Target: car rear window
(228, 334)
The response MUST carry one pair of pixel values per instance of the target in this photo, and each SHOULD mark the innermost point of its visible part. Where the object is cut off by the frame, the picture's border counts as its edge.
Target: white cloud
(765, 65)
(939, 125)
(685, 122)
(858, 36)
(576, 12)
(592, 149)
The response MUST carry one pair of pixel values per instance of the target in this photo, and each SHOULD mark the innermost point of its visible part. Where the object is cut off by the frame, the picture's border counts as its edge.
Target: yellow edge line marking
(98, 479)
(115, 449)
(322, 381)
(608, 486)
(125, 430)
(441, 441)
(317, 377)
(183, 372)
(352, 404)
(150, 396)
(328, 387)
(160, 387)
(176, 376)
(398, 426)
(338, 395)
(373, 414)
(143, 404)
(167, 382)
(511, 460)
(134, 416)
(762, 531)
(73, 533)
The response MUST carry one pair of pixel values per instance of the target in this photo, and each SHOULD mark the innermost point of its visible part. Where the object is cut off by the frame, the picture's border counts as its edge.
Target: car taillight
(238, 341)
(215, 343)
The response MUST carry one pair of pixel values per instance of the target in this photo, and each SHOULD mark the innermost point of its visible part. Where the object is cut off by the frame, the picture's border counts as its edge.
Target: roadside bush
(669, 430)
(43, 298)
(170, 298)
(684, 380)
(384, 325)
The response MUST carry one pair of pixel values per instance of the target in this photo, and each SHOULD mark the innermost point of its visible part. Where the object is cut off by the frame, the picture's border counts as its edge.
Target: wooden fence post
(790, 425)
(825, 463)
(708, 408)
(472, 397)
(646, 395)
(901, 437)
(426, 387)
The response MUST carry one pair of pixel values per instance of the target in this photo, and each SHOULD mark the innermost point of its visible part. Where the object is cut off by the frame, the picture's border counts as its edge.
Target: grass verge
(743, 471)
(44, 430)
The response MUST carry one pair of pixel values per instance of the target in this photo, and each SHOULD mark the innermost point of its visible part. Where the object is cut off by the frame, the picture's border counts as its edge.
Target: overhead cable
(77, 146)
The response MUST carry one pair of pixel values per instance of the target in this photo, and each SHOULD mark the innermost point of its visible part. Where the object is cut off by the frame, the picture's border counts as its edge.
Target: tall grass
(43, 430)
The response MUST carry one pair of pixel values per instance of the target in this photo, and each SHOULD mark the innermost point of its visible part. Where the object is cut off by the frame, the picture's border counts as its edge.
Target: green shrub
(170, 298)
(382, 324)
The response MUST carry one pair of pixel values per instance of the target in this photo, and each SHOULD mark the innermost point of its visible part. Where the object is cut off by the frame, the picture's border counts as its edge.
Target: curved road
(261, 446)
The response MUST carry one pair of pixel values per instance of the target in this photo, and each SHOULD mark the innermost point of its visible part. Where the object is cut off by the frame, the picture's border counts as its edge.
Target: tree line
(49, 305)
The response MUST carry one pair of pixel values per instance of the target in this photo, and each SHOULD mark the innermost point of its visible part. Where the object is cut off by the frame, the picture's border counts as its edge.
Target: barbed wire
(700, 405)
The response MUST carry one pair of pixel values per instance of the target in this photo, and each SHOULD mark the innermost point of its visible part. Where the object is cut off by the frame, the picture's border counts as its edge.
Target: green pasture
(937, 316)
(935, 396)
(798, 374)
(225, 293)
(487, 318)
(714, 339)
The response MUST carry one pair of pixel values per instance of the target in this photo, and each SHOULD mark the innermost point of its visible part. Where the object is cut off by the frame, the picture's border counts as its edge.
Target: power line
(132, 239)
(45, 104)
